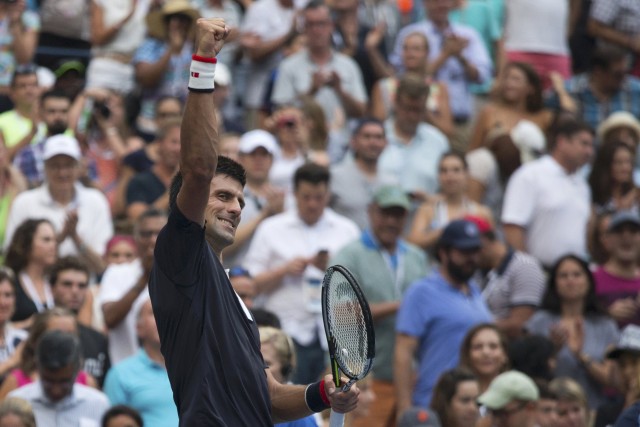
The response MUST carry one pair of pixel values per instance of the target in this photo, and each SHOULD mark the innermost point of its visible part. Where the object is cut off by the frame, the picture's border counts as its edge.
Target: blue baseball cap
(461, 234)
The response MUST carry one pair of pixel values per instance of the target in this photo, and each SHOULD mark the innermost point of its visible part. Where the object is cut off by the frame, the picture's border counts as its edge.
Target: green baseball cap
(507, 387)
(389, 196)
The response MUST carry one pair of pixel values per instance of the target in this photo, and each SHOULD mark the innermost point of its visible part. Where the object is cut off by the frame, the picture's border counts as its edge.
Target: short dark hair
(605, 56)
(57, 350)
(566, 125)
(315, 4)
(67, 263)
(530, 355)
(311, 173)
(149, 213)
(367, 121)
(225, 166)
(53, 93)
(23, 70)
(551, 299)
(118, 410)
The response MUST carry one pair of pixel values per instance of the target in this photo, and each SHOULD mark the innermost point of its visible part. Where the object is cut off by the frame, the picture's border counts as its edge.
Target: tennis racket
(349, 328)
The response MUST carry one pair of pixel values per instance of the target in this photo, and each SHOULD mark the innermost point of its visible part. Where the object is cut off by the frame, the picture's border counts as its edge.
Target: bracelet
(201, 74)
(315, 396)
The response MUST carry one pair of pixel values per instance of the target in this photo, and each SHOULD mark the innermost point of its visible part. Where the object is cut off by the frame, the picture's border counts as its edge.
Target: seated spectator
(105, 135)
(535, 211)
(124, 287)
(454, 398)
(607, 88)
(69, 279)
(450, 203)
(262, 199)
(58, 359)
(167, 47)
(573, 407)
(30, 254)
(617, 279)
(279, 355)
(54, 113)
(547, 412)
(415, 57)
(331, 78)
(167, 109)
(20, 28)
(484, 353)
(355, 178)
(511, 400)
(141, 381)
(626, 355)
(19, 124)
(571, 317)
(16, 412)
(374, 260)
(120, 249)
(117, 30)
(611, 179)
(56, 319)
(435, 315)
(518, 98)
(415, 147)
(513, 281)
(81, 216)
(150, 189)
(11, 336)
(122, 416)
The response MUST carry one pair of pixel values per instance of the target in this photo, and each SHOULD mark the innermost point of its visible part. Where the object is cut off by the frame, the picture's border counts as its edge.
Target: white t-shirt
(552, 206)
(130, 36)
(116, 282)
(538, 26)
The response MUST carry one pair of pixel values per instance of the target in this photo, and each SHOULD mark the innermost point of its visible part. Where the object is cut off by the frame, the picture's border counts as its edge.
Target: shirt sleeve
(413, 313)
(114, 390)
(519, 203)
(137, 191)
(150, 51)
(527, 283)
(113, 284)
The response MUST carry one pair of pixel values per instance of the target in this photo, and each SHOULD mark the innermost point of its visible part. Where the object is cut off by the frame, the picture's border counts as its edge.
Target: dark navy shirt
(210, 345)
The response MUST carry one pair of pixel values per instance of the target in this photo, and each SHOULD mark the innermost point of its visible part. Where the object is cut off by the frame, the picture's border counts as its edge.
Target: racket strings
(349, 328)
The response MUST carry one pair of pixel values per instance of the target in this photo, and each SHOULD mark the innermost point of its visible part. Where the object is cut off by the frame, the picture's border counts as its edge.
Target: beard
(57, 128)
(461, 273)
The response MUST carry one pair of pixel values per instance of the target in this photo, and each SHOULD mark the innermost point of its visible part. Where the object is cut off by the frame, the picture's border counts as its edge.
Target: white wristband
(201, 74)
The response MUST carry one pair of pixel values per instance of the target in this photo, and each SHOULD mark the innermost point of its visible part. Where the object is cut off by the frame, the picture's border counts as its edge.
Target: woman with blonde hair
(573, 408)
(15, 412)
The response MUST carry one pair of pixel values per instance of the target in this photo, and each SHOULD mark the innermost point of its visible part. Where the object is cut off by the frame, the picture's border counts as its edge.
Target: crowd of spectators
(474, 163)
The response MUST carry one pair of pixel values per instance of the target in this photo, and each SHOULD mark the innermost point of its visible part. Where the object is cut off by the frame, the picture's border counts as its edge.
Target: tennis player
(208, 338)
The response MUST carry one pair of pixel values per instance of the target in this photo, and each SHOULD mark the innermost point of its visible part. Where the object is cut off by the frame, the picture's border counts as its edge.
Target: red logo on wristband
(194, 74)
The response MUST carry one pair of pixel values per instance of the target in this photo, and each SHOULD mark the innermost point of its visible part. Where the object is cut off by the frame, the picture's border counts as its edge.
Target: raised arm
(199, 132)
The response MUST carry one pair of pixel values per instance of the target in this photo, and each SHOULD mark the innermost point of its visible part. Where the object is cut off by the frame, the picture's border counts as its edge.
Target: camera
(102, 109)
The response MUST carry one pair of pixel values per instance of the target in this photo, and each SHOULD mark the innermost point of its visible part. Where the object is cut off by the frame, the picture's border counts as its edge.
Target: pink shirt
(610, 288)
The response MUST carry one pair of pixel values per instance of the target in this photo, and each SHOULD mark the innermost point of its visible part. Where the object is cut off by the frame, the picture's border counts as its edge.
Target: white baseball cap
(62, 145)
(258, 138)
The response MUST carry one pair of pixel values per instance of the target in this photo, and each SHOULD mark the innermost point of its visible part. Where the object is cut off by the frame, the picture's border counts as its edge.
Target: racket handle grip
(336, 419)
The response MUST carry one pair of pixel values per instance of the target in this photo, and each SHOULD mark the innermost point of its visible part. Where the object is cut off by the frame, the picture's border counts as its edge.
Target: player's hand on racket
(341, 401)
(210, 36)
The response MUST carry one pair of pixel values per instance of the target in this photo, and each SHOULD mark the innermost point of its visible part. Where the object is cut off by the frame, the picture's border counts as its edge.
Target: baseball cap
(66, 65)
(258, 138)
(388, 196)
(629, 342)
(419, 417)
(484, 226)
(461, 234)
(623, 217)
(62, 145)
(507, 387)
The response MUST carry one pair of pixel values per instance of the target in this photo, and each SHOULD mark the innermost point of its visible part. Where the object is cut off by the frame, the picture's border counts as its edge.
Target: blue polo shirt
(439, 316)
(144, 385)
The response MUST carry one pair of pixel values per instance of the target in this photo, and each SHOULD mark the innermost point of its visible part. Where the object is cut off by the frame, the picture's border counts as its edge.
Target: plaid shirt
(591, 109)
(622, 15)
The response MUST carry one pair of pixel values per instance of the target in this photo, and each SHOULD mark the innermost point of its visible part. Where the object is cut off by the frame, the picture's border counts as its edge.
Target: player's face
(223, 211)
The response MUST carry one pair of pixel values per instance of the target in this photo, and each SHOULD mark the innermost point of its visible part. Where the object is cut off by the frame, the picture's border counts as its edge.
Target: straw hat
(156, 20)
(616, 120)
